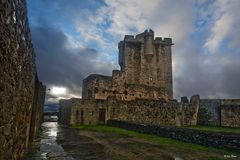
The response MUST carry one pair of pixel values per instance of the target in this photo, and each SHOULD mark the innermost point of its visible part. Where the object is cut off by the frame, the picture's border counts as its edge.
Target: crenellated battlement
(141, 38)
(146, 59)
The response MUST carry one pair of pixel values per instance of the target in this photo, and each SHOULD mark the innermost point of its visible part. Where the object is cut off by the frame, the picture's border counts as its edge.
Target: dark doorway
(82, 118)
(102, 113)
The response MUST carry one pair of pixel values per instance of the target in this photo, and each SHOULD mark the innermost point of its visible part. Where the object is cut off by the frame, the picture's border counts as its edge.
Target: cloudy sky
(73, 39)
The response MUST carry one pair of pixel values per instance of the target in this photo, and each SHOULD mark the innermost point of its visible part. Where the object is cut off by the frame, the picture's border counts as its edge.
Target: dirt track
(62, 143)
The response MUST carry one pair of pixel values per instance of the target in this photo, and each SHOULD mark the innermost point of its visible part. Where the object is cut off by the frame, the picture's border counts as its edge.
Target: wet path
(61, 143)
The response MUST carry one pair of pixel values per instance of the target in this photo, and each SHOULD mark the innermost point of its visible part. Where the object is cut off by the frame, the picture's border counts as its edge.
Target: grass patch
(216, 129)
(160, 140)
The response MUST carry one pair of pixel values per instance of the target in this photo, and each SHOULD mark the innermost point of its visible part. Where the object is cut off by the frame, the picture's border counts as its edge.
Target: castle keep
(140, 92)
(146, 71)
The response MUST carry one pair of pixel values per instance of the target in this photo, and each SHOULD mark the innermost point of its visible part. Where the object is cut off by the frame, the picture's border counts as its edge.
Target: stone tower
(146, 71)
(147, 61)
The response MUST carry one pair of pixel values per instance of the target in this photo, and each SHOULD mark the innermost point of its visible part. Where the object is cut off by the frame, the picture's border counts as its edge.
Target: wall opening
(82, 118)
(102, 114)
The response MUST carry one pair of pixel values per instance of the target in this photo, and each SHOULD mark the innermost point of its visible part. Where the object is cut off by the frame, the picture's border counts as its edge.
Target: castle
(140, 92)
(146, 71)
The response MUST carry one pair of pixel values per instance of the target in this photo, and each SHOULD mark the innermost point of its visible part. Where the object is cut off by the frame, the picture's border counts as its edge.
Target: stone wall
(37, 109)
(230, 101)
(64, 113)
(168, 113)
(102, 87)
(219, 112)
(17, 74)
(209, 112)
(97, 87)
(86, 111)
(82, 111)
(230, 115)
(209, 139)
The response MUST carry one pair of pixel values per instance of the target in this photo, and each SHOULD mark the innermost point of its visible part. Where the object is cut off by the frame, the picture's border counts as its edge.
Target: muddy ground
(62, 143)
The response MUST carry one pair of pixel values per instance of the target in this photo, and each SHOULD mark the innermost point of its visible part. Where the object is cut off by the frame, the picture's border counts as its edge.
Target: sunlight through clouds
(59, 91)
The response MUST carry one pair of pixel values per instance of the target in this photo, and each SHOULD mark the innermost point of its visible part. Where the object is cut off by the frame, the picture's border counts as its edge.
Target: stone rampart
(230, 115)
(158, 112)
(209, 112)
(219, 112)
(17, 74)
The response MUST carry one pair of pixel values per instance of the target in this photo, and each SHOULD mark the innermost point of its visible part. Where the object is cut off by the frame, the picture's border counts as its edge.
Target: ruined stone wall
(168, 113)
(219, 112)
(230, 112)
(97, 87)
(17, 73)
(102, 87)
(230, 115)
(230, 101)
(127, 91)
(209, 112)
(64, 113)
(82, 111)
(87, 111)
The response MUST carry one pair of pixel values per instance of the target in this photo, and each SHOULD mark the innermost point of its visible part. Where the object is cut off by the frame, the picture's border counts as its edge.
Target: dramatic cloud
(212, 72)
(74, 39)
(225, 22)
(61, 66)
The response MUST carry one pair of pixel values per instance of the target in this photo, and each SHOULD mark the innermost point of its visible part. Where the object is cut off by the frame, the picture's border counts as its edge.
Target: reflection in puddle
(48, 147)
(52, 132)
(43, 155)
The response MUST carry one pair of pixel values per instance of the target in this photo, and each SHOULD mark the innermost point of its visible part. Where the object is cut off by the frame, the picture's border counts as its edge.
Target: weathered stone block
(17, 75)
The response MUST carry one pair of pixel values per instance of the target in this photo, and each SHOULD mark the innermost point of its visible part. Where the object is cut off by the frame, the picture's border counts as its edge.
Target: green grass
(216, 129)
(160, 140)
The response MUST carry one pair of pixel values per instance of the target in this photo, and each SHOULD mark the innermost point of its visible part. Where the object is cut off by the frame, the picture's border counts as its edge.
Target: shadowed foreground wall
(37, 110)
(17, 77)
